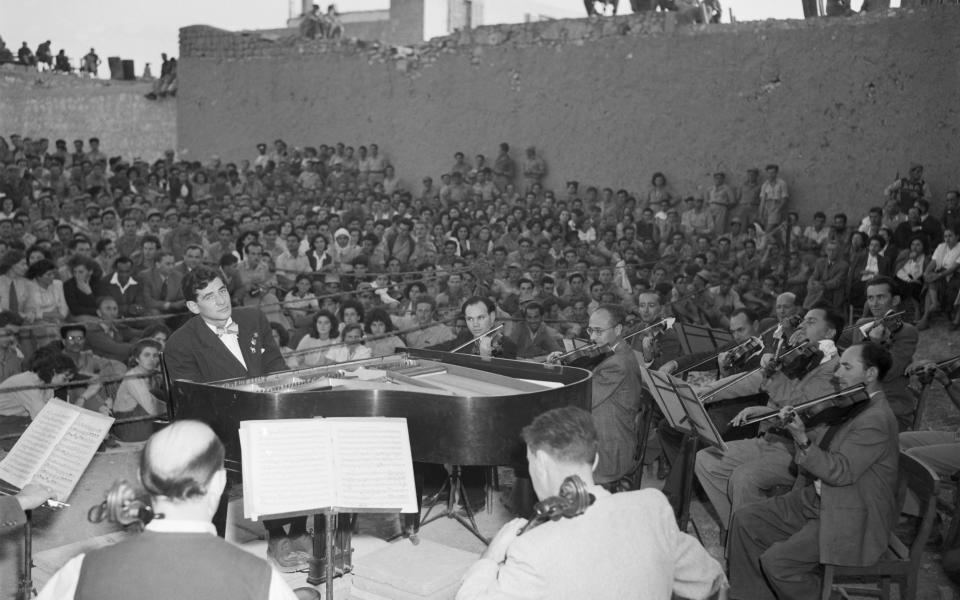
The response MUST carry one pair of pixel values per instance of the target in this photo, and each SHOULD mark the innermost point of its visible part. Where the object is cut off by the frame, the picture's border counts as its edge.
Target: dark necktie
(163, 290)
(14, 301)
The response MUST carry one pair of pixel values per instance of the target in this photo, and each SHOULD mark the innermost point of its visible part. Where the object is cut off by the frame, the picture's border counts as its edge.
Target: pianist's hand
(497, 550)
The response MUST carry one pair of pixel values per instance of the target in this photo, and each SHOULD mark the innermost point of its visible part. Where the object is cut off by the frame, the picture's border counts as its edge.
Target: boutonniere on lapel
(254, 342)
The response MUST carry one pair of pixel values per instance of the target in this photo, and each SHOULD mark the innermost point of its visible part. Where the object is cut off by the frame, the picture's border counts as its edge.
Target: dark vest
(160, 566)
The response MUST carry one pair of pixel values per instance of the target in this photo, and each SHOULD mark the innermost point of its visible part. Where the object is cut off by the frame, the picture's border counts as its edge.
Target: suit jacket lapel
(219, 351)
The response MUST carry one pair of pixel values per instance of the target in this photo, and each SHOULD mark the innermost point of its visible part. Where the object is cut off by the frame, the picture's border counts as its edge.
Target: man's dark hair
(875, 355)
(832, 316)
(890, 282)
(227, 260)
(196, 280)
(487, 302)
(567, 434)
(47, 366)
(749, 314)
(534, 306)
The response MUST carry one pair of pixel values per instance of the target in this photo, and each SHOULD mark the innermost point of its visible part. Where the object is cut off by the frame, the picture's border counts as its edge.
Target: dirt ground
(64, 533)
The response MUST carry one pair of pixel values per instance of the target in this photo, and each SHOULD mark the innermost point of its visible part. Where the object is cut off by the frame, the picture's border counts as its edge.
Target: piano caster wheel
(414, 538)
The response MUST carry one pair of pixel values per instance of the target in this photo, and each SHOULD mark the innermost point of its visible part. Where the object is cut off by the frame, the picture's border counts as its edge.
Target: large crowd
(348, 260)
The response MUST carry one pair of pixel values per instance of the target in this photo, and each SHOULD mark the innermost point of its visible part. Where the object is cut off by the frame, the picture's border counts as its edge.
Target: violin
(892, 321)
(858, 394)
(585, 357)
(652, 332)
(737, 357)
(925, 373)
(797, 361)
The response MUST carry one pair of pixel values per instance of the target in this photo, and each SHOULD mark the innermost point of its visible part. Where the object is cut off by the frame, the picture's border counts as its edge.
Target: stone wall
(63, 106)
(842, 105)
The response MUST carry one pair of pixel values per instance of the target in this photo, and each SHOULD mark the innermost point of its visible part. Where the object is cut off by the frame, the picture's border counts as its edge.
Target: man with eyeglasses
(616, 395)
(223, 343)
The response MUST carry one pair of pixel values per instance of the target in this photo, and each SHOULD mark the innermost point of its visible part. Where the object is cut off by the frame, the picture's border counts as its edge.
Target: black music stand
(697, 338)
(685, 412)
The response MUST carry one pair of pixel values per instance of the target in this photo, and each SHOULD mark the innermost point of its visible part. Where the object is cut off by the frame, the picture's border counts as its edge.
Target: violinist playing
(883, 326)
(741, 474)
(658, 345)
(616, 388)
(843, 505)
(480, 313)
(742, 355)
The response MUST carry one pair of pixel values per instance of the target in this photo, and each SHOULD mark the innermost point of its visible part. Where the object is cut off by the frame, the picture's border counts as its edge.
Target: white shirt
(230, 340)
(63, 584)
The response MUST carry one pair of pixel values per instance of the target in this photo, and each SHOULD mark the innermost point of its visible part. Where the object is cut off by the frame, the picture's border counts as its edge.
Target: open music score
(299, 466)
(395, 372)
(56, 448)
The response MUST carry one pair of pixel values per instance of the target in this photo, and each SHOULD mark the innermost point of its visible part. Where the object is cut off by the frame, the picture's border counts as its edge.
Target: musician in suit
(177, 556)
(11, 507)
(654, 350)
(843, 505)
(743, 473)
(222, 343)
(588, 556)
(898, 337)
(480, 314)
(616, 384)
(744, 325)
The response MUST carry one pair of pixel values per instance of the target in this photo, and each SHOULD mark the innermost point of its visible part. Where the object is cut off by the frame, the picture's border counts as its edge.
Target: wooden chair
(899, 564)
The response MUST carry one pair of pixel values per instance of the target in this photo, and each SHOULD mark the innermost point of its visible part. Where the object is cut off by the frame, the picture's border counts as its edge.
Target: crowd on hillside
(349, 259)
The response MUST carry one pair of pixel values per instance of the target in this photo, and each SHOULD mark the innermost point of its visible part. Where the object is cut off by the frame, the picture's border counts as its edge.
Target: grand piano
(461, 409)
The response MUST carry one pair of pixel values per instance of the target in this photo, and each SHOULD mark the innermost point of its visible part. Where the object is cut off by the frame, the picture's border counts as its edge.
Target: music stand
(685, 412)
(697, 338)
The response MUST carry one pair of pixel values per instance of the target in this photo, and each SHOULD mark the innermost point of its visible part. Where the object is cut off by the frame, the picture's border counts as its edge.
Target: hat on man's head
(341, 231)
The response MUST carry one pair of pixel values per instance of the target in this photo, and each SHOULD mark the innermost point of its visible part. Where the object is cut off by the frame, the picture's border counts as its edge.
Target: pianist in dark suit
(221, 342)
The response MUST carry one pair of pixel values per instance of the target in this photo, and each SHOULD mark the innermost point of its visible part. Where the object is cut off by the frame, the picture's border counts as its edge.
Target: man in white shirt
(588, 555)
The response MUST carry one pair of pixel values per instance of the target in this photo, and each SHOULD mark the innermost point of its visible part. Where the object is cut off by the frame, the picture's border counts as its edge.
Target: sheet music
(373, 463)
(37, 442)
(70, 457)
(287, 466)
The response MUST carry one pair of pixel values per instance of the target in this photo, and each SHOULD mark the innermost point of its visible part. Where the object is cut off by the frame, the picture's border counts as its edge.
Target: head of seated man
(560, 443)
